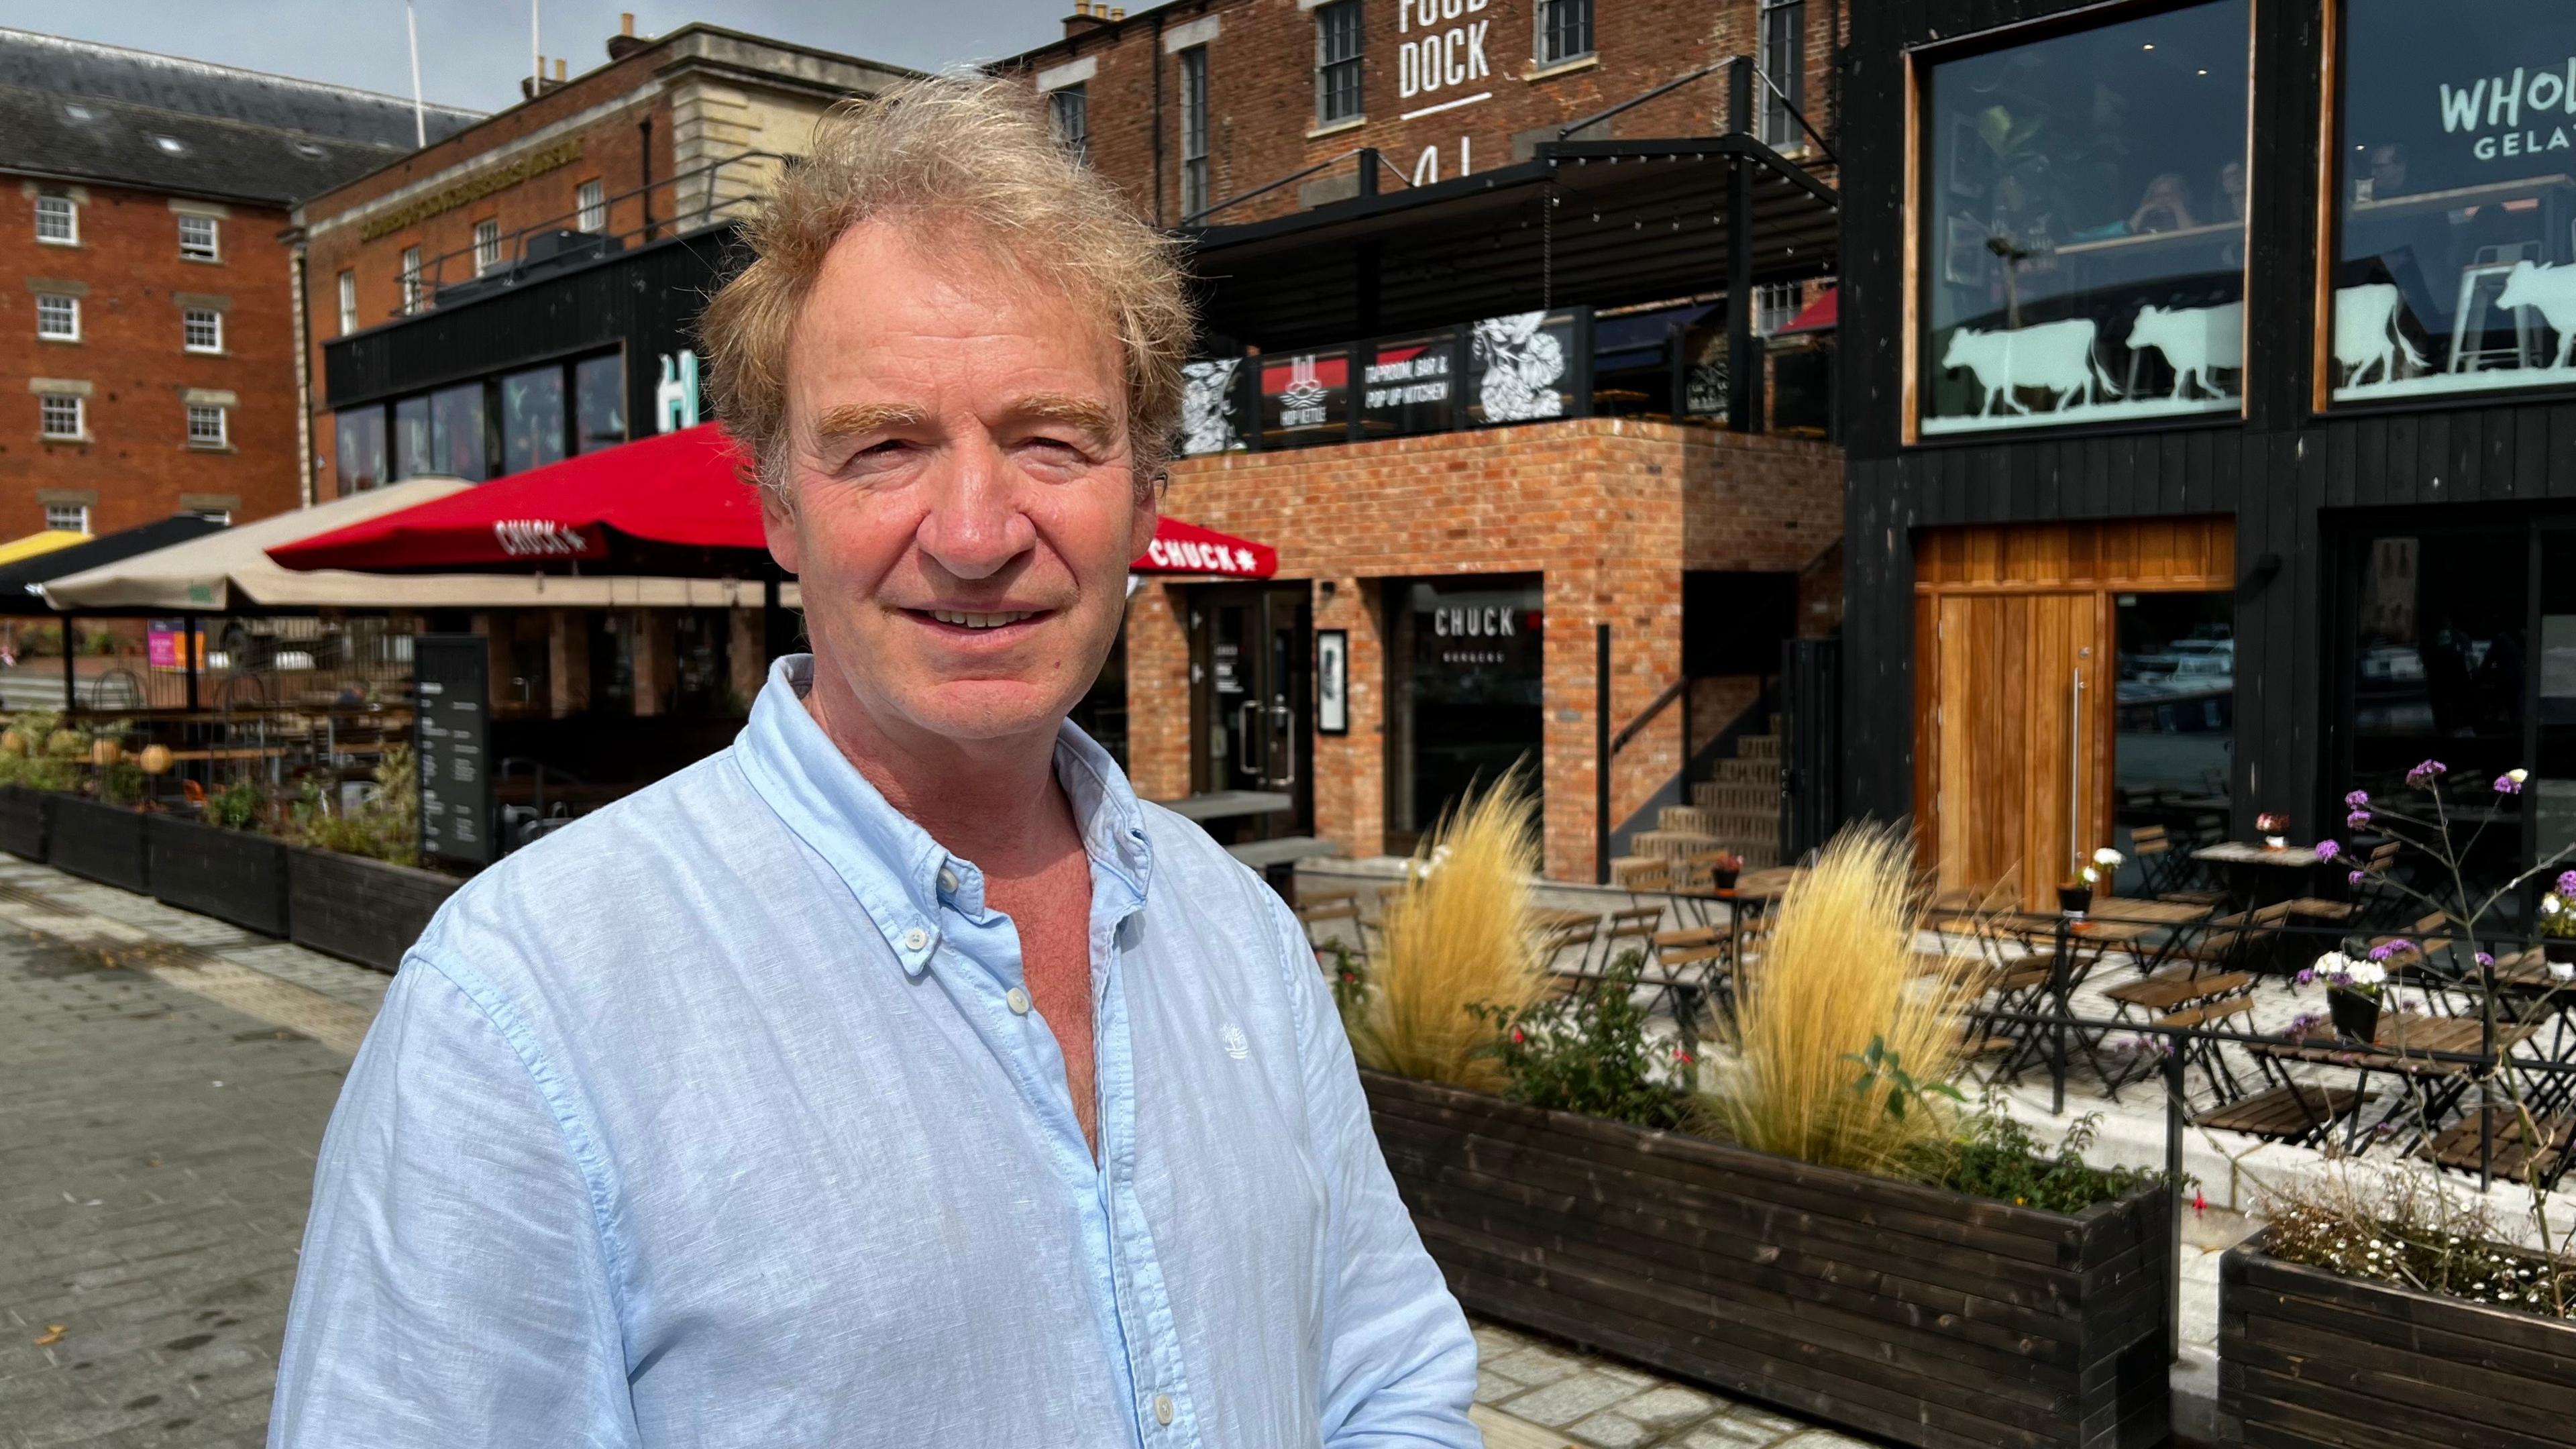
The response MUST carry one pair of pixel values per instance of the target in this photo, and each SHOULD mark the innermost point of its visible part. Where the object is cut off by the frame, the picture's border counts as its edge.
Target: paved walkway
(164, 1080)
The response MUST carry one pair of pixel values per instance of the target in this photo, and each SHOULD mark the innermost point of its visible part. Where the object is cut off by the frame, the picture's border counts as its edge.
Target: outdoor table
(2400, 1035)
(2177, 919)
(2245, 865)
(1229, 804)
(2074, 948)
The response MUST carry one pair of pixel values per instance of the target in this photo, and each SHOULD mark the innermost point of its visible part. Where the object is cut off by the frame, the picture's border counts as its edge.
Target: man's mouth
(965, 620)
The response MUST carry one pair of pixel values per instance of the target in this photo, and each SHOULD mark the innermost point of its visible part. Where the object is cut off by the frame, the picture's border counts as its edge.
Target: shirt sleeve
(1399, 1363)
(454, 1289)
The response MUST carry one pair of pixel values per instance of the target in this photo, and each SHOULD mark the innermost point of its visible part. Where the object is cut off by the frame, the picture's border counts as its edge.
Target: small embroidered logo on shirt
(1237, 1045)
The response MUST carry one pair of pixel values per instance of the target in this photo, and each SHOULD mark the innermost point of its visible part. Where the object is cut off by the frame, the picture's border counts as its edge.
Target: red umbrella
(672, 506)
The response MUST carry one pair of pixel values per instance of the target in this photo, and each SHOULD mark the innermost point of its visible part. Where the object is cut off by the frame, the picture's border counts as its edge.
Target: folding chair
(1636, 926)
(1324, 914)
(1575, 936)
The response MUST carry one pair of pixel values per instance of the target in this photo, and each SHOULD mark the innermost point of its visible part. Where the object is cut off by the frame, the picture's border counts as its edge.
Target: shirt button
(915, 939)
(948, 880)
(1163, 1409)
(1019, 1001)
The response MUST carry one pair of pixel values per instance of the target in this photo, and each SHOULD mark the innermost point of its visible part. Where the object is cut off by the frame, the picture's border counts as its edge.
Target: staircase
(1737, 811)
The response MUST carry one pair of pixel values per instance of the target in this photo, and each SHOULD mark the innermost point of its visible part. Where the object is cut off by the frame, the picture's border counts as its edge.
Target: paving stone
(1731, 1433)
(1668, 1406)
(1561, 1403)
(1535, 1365)
(1493, 1388)
(1612, 1430)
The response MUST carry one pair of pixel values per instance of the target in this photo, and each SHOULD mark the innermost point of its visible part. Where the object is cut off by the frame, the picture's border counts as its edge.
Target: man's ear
(778, 524)
(1148, 513)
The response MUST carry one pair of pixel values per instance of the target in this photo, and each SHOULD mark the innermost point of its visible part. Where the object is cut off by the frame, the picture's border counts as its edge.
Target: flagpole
(419, 122)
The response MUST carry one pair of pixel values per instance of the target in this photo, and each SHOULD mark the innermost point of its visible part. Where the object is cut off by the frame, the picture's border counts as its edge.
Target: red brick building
(148, 325)
(1465, 365)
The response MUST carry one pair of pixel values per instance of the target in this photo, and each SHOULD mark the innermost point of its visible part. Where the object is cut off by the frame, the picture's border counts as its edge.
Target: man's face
(963, 505)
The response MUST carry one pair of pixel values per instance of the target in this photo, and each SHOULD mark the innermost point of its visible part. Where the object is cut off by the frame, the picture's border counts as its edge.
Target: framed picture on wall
(1333, 681)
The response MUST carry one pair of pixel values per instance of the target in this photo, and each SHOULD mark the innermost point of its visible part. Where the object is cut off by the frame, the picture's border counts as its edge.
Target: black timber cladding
(2280, 471)
(646, 301)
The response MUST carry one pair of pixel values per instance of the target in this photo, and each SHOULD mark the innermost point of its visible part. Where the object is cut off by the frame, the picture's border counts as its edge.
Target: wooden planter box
(25, 816)
(363, 910)
(2309, 1357)
(232, 875)
(1912, 1314)
(103, 843)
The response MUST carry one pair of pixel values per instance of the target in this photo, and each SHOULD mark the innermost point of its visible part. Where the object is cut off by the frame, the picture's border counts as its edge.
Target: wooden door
(2013, 748)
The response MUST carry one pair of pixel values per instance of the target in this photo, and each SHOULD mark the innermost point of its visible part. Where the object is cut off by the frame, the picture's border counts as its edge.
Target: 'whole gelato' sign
(2520, 113)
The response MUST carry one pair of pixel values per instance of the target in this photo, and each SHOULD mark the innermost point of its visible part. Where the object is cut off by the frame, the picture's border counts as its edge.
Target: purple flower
(2567, 883)
(2485, 960)
(2386, 949)
(2307, 975)
(2328, 850)
(2510, 782)
(2357, 799)
(2354, 878)
(2358, 820)
(2423, 775)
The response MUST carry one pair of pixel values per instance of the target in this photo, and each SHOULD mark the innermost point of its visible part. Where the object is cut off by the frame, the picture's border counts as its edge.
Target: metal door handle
(1243, 738)
(1286, 739)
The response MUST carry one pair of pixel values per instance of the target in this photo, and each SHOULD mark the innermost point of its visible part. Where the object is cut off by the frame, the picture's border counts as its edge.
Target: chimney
(1117, 15)
(559, 70)
(626, 42)
(1086, 17)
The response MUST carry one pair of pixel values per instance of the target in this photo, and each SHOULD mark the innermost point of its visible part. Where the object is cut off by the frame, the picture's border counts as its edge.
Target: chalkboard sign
(451, 676)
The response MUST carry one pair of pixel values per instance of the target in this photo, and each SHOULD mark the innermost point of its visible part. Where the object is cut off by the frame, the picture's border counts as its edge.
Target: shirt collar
(891, 864)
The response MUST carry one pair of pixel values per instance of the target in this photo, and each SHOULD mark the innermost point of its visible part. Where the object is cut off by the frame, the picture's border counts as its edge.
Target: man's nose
(975, 525)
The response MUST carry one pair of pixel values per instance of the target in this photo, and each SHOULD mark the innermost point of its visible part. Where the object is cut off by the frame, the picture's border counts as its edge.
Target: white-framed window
(411, 280)
(198, 238)
(1776, 306)
(62, 415)
(1783, 59)
(223, 516)
(1069, 107)
(57, 317)
(1564, 30)
(1194, 131)
(58, 221)
(1338, 62)
(592, 199)
(207, 425)
(348, 303)
(201, 329)
(67, 517)
(487, 245)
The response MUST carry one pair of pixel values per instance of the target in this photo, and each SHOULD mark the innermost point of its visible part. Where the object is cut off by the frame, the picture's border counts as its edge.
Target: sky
(473, 53)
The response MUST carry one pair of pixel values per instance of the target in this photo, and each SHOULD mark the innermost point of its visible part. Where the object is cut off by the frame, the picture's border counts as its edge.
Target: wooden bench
(2287, 1113)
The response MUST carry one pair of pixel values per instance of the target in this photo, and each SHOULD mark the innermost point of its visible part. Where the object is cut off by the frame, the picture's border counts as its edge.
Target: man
(895, 1077)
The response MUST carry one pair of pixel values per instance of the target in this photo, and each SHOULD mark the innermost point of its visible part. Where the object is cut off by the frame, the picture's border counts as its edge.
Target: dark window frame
(1783, 28)
(1341, 63)
(1069, 111)
(1194, 132)
(1564, 31)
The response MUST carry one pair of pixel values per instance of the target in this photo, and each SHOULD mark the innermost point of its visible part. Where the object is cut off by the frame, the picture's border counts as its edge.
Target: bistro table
(2394, 1048)
(2177, 919)
(1229, 804)
(2246, 866)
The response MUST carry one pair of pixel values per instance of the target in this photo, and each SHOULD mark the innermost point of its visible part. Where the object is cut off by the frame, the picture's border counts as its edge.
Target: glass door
(1255, 687)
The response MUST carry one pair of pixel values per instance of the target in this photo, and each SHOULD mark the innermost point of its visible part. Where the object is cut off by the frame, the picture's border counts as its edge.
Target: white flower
(2562, 970)
(2333, 963)
(2366, 973)
(2107, 858)
(2089, 876)
(2550, 905)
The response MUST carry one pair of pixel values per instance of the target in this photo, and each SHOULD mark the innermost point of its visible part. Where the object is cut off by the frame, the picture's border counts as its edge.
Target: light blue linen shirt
(720, 1119)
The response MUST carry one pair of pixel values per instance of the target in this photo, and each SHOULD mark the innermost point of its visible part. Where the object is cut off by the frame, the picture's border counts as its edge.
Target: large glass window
(2082, 225)
(1784, 60)
(532, 419)
(1469, 655)
(1411, 387)
(411, 438)
(1306, 398)
(1194, 132)
(1069, 107)
(1564, 30)
(2455, 268)
(358, 462)
(2173, 754)
(1524, 367)
(456, 446)
(600, 386)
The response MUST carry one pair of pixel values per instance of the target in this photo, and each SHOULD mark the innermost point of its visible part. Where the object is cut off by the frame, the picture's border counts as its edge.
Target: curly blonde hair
(950, 152)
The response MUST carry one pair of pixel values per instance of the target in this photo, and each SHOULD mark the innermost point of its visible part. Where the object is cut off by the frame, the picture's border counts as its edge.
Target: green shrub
(386, 827)
(1996, 1157)
(123, 783)
(1586, 1053)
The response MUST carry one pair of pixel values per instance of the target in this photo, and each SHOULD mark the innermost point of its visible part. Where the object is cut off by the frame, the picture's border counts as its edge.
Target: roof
(1632, 221)
(40, 543)
(80, 110)
(21, 582)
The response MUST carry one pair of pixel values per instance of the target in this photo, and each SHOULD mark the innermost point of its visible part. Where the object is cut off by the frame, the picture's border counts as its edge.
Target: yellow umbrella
(36, 543)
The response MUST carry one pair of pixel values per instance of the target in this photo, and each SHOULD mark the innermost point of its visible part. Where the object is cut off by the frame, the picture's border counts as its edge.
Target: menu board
(451, 687)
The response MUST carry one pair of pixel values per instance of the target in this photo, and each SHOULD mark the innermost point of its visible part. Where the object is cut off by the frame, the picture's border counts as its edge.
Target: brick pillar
(1158, 693)
(1350, 770)
(657, 666)
(567, 662)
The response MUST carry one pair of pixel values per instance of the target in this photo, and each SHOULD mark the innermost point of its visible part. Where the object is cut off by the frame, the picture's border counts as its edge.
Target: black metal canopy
(1599, 223)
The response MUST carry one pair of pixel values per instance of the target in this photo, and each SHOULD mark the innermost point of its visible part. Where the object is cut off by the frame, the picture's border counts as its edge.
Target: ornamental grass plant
(1837, 985)
(1460, 934)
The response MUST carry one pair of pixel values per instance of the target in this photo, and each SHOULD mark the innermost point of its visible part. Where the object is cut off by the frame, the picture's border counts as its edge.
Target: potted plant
(1723, 868)
(2353, 987)
(2558, 927)
(2274, 827)
(2075, 897)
